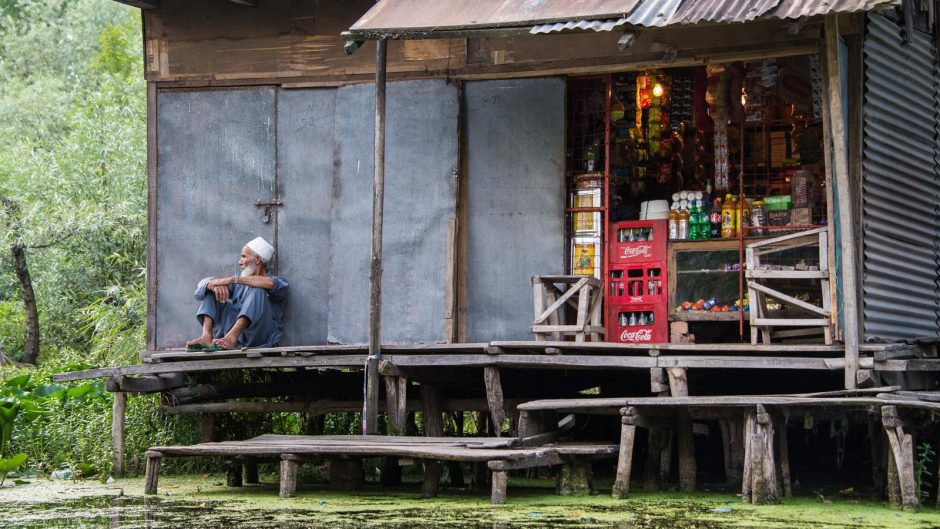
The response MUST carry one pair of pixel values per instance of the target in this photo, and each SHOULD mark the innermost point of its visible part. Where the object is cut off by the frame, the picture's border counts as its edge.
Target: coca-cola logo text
(641, 335)
(637, 251)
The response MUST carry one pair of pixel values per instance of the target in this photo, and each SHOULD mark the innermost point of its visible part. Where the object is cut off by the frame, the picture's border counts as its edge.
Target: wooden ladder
(762, 327)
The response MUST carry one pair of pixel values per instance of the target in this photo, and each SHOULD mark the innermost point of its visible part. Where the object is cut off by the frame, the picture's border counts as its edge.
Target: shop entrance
(702, 160)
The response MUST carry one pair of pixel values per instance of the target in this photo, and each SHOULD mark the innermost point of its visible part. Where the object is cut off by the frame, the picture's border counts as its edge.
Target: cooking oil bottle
(727, 218)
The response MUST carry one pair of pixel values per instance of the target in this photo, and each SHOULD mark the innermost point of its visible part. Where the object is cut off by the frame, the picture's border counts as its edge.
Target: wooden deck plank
(721, 401)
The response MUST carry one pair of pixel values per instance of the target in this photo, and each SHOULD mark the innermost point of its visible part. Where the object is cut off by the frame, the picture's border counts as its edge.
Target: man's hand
(219, 288)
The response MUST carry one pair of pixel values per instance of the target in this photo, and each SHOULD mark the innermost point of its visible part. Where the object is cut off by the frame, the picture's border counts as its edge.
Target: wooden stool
(551, 301)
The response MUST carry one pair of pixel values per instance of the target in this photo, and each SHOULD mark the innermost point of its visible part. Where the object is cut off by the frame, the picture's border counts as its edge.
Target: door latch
(268, 206)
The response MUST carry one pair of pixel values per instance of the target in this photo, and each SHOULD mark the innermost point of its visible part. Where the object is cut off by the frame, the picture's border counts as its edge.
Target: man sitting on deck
(244, 310)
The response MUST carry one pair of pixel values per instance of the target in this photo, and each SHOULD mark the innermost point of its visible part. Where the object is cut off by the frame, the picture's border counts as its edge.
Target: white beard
(249, 270)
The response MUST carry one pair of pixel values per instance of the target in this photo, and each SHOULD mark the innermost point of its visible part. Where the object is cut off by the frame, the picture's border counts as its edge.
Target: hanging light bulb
(658, 90)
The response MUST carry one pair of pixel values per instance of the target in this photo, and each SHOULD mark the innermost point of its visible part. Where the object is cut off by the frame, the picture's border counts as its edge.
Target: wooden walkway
(528, 354)
(500, 454)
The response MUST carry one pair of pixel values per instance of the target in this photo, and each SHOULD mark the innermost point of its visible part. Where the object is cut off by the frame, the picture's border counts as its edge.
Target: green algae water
(203, 502)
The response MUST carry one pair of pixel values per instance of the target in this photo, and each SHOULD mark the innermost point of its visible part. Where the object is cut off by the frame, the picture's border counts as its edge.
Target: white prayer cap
(262, 248)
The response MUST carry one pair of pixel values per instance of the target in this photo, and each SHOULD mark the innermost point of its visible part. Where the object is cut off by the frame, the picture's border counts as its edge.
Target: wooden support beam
(760, 471)
(396, 401)
(117, 433)
(494, 397)
(621, 488)
(433, 427)
(207, 428)
(902, 453)
(679, 387)
(346, 473)
(836, 140)
(152, 472)
(732, 437)
(289, 466)
(784, 449)
(576, 477)
(250, 470)
(233, 473)
(145, 384)
(500, 481)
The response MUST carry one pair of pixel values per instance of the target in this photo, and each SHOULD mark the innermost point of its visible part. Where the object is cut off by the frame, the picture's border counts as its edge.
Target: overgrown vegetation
(72, 182)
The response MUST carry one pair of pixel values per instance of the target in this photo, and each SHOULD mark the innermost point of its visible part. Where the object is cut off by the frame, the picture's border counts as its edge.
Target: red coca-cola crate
(638, 241)
(638, 283)
(631, 323)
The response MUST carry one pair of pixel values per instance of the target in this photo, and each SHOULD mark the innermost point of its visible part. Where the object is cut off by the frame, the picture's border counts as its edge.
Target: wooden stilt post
(784, 458)
(117, 432)
(289, 466)
(879, 463)
(902, 452)
(621, 487)
(500, 483)
(654, 458)
(250, 469)
(152, 472)
(233, 473)
(207, 428)
(733, 447)
(494, 397)
(346, 473)
(433, 427)
(762, 469)
(679, 387)
(370, 419)
(576, 477)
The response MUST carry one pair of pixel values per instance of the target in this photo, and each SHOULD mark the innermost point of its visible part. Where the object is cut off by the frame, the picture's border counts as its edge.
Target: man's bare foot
(205, 340)
(225, 342)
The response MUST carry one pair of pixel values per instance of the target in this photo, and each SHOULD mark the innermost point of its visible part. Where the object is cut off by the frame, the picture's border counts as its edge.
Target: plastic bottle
(704, 230)
(693, 220)
(590, 157)
(683, 221)
(744, 218)
(736, 213)
(674, 221)
(758, 218)
(727, 218)
(715, 219)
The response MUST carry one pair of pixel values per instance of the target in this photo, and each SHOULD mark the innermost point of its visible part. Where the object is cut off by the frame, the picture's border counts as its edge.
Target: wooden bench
(500, 454)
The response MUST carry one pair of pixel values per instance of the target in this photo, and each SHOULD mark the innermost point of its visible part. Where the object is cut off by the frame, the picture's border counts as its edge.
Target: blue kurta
(263, 308)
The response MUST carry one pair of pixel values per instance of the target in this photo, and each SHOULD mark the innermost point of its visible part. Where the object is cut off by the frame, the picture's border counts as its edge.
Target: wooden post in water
(679, 387)
(370, 416)
(621, 487)
(152, 472)
(433, 427)
(289, 465)
(901, 454)
(117, 432)
(760, 472)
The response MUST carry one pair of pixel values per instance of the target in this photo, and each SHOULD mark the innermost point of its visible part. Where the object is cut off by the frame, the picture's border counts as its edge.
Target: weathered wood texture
(213, 42)
(621, 487)
(433, 427)
(901, 454)
(117, 433)
(760, 471)
(152, 472)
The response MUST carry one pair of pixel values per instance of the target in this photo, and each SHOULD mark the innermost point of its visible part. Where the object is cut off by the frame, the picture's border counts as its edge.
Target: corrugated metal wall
(900, 183)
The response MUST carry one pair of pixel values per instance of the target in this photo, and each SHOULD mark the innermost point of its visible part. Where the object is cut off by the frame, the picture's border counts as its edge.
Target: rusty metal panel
(420, 197)
(305, 145)
(215, 158)
(808, 8)
(900, 184)
(426, 15)
(515, 203)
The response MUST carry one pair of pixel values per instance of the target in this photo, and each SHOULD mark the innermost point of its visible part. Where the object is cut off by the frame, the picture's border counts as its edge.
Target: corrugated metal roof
(808, 8)
(437, 18)
(438, 15)
(596, 25)
(653, 13)
(695, 11)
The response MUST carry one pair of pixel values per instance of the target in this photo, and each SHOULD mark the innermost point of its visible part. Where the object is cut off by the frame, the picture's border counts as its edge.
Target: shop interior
(672, 172)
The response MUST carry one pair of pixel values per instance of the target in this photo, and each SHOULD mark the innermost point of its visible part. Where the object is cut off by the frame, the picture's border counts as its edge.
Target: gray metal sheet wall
(516, 199)
(216, 156)
(901, 184)
(420, 197)
(305, 176)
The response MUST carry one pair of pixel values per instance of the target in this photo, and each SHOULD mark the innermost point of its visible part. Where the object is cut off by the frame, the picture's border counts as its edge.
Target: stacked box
(637, 289)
